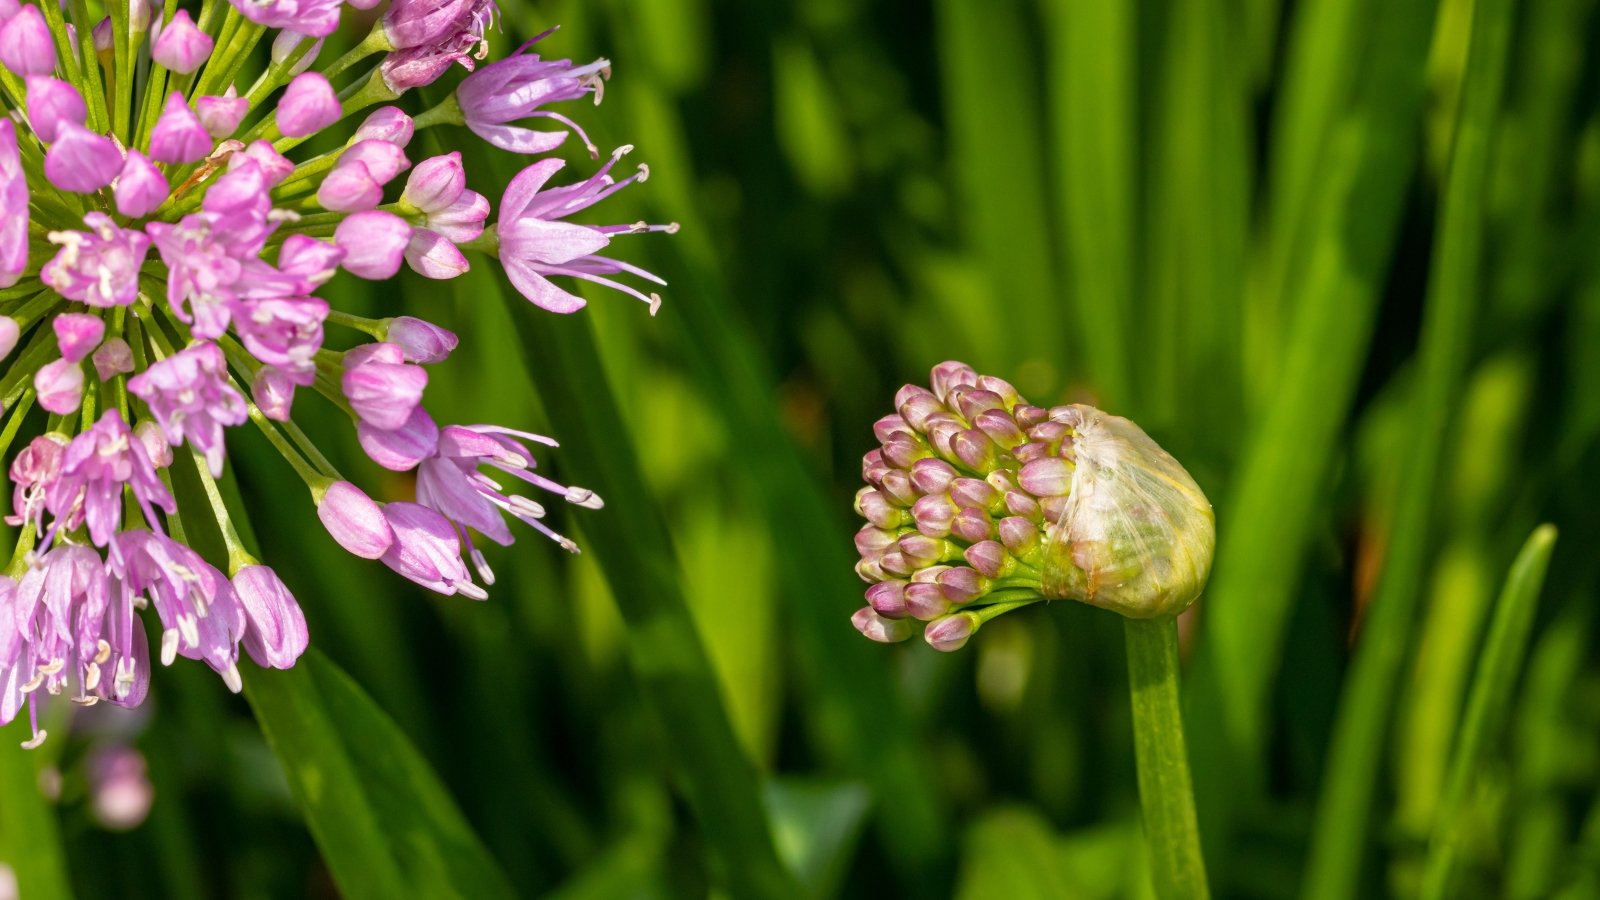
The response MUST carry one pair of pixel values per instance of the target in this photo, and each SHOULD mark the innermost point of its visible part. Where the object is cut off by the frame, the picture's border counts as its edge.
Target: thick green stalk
(30, 839)
(1342, 827)
(1165, 791)
(1501, 661)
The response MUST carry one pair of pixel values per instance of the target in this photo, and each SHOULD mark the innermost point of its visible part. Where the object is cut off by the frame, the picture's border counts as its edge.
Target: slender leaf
(385, 824)
(1498, 668)
(1268, 517)
(30, 838)
(1342, 829)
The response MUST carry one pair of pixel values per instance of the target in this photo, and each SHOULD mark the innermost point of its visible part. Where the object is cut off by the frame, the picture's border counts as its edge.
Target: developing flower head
(164, 237)
(978, 502)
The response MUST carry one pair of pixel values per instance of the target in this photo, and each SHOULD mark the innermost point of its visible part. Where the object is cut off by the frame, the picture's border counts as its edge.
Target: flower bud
(80, 160)
(374, 243)
(387, 123)
(308, 106)
(950, 633)
(178, 136)
(77, 334)
(880, 629)
(400, 449)
(26, 47)
(141, 188)
(10, 333)
(421, 341)
(355, 521)
(221, 116)
(180, 46)
(120, 791)
(51, 102)
(155, 443)
(59, 385)
(275, 634)
(287, 42)
(1064, 503)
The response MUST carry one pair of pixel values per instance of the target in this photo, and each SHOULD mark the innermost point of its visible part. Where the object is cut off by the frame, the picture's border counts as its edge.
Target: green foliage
(1338, 256)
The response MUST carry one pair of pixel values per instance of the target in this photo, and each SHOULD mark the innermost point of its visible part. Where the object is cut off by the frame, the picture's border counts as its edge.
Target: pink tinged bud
(879, 511)
(897, 487)
(181, 46)
(435, 183)
(374, 243)
(388, 123)
(104, 40)
(220, 116)
(1049, 477)
(1053, 509)
(384, 395)
(880, 629)
(1031, 451)
(155, 443)
(113, 358)
(273, 392)
(933, 514)
(1021, 504)
(51, 102)
(989, 558)
(383, 159)
(902, 451)
(432, 255)
(10, 332)
(873, 468)
(60, 387)
(872, 542)
(308, 106)
(401, 449)
(950, 633)
(895, 563)
(949, 375)
(1000, 428)
(974, 402)
(973, 492)
(26, 47)
(926, 601)
(274, 166)
(355, 521)
(922, 551)
(275, 629)
(1019, 535)
(349, 188)
(141, 188)
(427, 550)
(888, 599)
(888, 426)
(963, 585)
(974, 449)
(80, 160)
(421, 341)
(932, 476)
(178, 136)
(284, 45)
(972, 525)
(77, 334)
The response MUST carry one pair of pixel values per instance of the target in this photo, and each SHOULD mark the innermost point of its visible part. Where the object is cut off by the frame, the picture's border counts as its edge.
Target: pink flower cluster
(163, 238)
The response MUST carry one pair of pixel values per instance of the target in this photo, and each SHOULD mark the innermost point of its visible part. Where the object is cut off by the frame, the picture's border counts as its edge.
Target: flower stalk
(1166, 794)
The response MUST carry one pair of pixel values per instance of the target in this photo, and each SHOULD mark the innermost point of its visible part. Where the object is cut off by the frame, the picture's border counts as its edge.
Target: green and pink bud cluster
(978, 502)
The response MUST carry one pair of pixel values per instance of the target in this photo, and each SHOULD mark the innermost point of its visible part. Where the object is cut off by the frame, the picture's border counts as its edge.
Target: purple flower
(381, 386)
(221, 115)
(190, 396)
(59, 385)
(33, 472)
(77, 334)
(400, 449)
(451, 484)
(284, 333)
(276, 634)
(431, 37)
(535, 243)
(374, 243)
(386, 123)
(97, 465)
(113, 358)
(26, 47)
(315, 18)
(421, 341)
(100, 266)
(201, 616)
(13, 208)
(427, 550)
(178, 136)
(515, 88)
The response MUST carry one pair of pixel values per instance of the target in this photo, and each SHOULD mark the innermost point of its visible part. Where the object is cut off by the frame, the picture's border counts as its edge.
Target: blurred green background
(1338, 256)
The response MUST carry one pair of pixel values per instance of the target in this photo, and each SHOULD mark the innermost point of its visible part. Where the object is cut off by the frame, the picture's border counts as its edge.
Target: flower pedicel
(162, 242)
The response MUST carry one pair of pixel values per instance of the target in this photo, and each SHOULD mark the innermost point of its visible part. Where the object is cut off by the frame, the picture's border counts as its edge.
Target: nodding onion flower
(163, 237)
(978, 503)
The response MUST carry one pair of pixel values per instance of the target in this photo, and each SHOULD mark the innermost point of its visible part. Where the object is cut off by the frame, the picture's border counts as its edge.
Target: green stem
(1165, 792)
